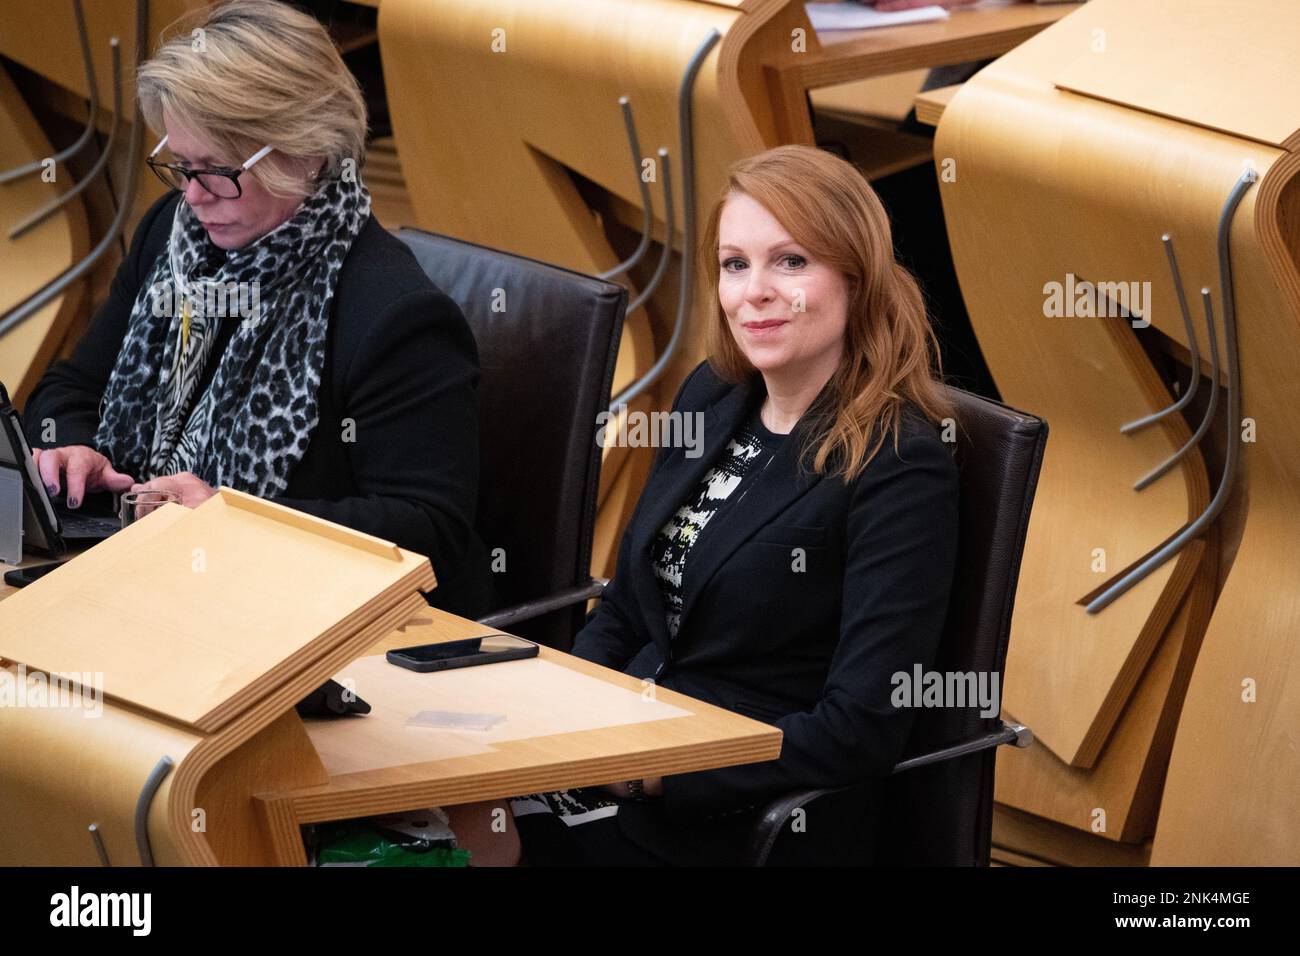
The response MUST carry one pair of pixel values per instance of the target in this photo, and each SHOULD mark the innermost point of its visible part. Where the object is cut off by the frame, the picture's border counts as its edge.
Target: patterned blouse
(750, 450)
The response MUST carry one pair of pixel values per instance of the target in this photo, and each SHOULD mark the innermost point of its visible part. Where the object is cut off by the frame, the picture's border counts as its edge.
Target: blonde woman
(264, 331)
(808, 554)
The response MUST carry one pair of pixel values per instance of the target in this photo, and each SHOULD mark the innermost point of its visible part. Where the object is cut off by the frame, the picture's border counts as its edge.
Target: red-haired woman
(807, 555)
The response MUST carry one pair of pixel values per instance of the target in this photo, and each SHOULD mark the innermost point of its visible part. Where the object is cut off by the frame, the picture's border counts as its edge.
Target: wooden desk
(930, 104)
(589, 735)
(848, 55)
(28, 561)
(568, 723)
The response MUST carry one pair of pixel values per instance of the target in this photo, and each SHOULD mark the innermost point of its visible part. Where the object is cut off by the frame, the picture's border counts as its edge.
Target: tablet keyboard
(72, 525)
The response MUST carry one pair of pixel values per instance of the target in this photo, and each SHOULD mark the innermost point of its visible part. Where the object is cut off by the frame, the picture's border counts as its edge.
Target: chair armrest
(771, 821)
(508, 617)
(1017, 734)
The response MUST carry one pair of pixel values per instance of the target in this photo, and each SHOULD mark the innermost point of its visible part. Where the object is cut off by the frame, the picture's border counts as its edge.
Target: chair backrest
(547, 340)
(942, 814)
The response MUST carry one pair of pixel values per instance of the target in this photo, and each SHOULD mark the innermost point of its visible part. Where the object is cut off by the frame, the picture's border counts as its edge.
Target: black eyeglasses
(222, 183)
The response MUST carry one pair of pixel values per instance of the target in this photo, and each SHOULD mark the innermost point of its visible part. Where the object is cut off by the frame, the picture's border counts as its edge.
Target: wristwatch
(636, 789)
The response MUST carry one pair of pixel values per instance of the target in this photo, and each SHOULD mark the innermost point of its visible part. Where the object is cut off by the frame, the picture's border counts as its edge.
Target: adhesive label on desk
(537, 697)
(452, 720)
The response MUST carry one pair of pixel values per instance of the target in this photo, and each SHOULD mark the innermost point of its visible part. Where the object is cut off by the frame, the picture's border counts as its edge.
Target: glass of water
(136, 504)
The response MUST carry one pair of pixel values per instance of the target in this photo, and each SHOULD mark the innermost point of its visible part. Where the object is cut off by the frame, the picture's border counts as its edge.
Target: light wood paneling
(30, 261)
(1050, 182)
(1126, 781)
(930, 104)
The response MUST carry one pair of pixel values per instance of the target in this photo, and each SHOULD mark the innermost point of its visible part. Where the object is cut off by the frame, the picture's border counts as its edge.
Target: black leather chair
(547, 341)
(936, 809)
(548, 365)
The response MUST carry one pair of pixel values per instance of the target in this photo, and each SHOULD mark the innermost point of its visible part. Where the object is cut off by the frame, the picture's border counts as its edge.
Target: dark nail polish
(52, 489)
(74, 502)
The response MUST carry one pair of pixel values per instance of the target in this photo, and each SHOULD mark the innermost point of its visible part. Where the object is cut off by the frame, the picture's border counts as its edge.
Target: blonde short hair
(253, 73)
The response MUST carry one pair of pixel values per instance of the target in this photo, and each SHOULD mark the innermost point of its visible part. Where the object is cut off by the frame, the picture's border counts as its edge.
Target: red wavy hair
(891, 354)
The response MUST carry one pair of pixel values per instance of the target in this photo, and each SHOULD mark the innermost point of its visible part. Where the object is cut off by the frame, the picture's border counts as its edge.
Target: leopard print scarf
(250, 428)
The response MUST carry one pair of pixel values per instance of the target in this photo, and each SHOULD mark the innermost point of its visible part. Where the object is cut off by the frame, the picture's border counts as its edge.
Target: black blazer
(811, 651)
(400, 361)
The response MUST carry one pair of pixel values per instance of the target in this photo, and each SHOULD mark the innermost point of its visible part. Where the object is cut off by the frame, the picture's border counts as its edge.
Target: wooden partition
(1066, 161)
(46, 42)
(41, 254)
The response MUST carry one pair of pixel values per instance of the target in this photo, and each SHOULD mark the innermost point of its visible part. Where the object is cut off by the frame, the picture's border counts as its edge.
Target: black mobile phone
(470, 652)
(21, 577)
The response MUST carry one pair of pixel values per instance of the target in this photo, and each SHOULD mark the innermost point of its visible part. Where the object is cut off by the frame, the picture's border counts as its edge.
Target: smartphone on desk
(21, 577)
(470, 652)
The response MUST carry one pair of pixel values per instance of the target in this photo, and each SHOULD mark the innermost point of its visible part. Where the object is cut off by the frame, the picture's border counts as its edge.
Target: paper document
(855, 16)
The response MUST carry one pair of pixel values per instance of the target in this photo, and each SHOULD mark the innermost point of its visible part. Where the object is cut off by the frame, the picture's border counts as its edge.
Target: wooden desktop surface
(847, 55)
(567, 723)
(961, 36)
(967, 35)
(576, 725)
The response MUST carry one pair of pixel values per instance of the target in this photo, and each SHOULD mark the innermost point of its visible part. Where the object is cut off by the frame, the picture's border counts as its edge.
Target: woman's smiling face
(230, 223)
(787, 312)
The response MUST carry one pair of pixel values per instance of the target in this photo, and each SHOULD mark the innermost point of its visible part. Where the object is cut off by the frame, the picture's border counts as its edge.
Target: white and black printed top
(750, 450)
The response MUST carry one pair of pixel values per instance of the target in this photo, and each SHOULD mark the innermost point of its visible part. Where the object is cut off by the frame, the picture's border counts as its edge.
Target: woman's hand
(82, 467)
(653, 786)
(192, 489)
